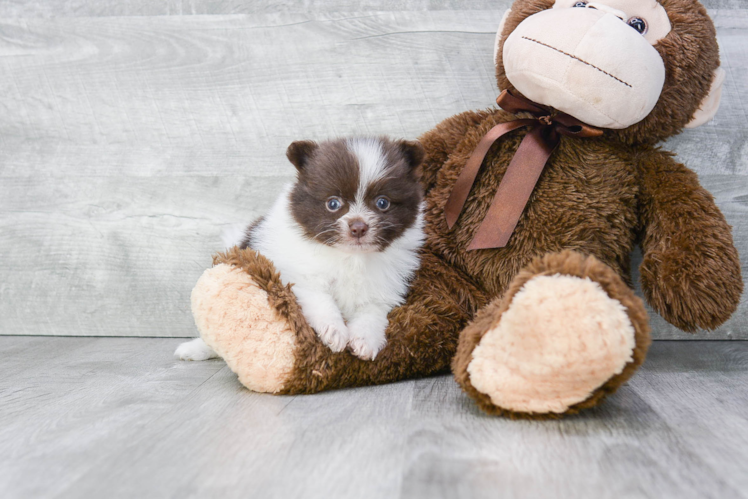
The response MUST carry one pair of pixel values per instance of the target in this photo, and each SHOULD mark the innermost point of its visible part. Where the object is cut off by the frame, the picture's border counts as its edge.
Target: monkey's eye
(638, 24)
(383, 203)
(334, 204)
(580, 4)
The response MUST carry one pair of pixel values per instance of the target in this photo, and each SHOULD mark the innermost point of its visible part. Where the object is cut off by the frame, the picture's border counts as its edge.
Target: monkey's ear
(413, 152)
(299, 153)
(497, 41)
(710, 104)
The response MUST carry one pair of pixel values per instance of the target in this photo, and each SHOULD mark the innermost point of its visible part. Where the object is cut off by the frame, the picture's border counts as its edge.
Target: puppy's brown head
(357, 194)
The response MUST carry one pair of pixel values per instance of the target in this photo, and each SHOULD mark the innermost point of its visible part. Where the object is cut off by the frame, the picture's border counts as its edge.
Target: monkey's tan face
(593, 60)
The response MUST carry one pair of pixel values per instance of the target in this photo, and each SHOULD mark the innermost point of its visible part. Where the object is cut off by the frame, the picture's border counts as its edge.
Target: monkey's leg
(250, 319)
(567, 332)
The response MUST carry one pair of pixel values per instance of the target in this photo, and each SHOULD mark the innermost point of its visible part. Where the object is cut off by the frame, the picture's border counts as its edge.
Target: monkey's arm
(691, 271)
(442, 140)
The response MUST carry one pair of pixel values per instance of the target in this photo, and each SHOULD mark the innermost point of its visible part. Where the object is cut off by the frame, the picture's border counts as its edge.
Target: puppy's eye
(638, 24)
(580, 4)
(334, 204)
(383, 203)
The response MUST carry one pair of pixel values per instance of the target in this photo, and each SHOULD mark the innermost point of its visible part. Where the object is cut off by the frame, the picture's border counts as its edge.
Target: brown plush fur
(585, 199)
(595, 200)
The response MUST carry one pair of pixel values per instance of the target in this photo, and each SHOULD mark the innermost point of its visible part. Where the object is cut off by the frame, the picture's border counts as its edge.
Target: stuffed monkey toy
(533, 210)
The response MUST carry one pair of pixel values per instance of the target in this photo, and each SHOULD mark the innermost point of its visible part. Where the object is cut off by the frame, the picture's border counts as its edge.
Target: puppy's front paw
(366, 340)
(335, 336)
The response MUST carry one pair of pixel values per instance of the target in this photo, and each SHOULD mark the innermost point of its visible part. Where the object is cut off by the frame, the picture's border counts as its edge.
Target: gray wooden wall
(133, 132)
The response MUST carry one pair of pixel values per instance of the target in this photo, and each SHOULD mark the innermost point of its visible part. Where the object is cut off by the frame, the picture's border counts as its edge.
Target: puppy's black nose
(358, 228)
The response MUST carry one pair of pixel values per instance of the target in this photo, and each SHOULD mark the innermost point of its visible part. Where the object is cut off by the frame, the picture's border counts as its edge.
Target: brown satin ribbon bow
(522, 173)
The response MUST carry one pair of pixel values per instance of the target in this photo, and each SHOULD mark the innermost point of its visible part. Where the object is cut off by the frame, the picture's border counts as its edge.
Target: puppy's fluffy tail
(233, 234)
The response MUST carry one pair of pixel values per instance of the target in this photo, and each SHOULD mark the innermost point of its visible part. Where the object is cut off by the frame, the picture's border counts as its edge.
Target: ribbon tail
(465, 180)
(515, 189)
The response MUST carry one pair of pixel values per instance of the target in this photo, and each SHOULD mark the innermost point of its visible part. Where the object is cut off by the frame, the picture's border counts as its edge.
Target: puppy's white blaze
(358, 210)
(371, 161)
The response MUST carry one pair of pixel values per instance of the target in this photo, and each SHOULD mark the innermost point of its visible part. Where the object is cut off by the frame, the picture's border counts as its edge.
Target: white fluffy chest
(359, 281)
(354, 281)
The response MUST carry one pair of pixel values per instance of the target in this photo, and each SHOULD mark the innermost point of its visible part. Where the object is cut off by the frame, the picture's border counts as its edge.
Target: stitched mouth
(578, 59)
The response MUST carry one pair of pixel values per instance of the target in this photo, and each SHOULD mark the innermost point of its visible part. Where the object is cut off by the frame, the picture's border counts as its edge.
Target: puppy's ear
(413, 152)
(299, 153)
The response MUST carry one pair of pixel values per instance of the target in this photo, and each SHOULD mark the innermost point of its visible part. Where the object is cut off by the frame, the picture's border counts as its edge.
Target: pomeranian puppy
(347, 235)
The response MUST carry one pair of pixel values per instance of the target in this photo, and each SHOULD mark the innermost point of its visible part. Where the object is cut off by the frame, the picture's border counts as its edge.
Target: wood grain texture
(120, 417)
(129, 141)
(88, 8)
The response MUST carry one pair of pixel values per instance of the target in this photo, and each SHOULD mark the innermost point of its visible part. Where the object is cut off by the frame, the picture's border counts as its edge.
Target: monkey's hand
(691, 272)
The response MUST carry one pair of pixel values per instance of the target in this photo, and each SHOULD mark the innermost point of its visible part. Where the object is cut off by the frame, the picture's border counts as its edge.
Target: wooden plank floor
(113, 417)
